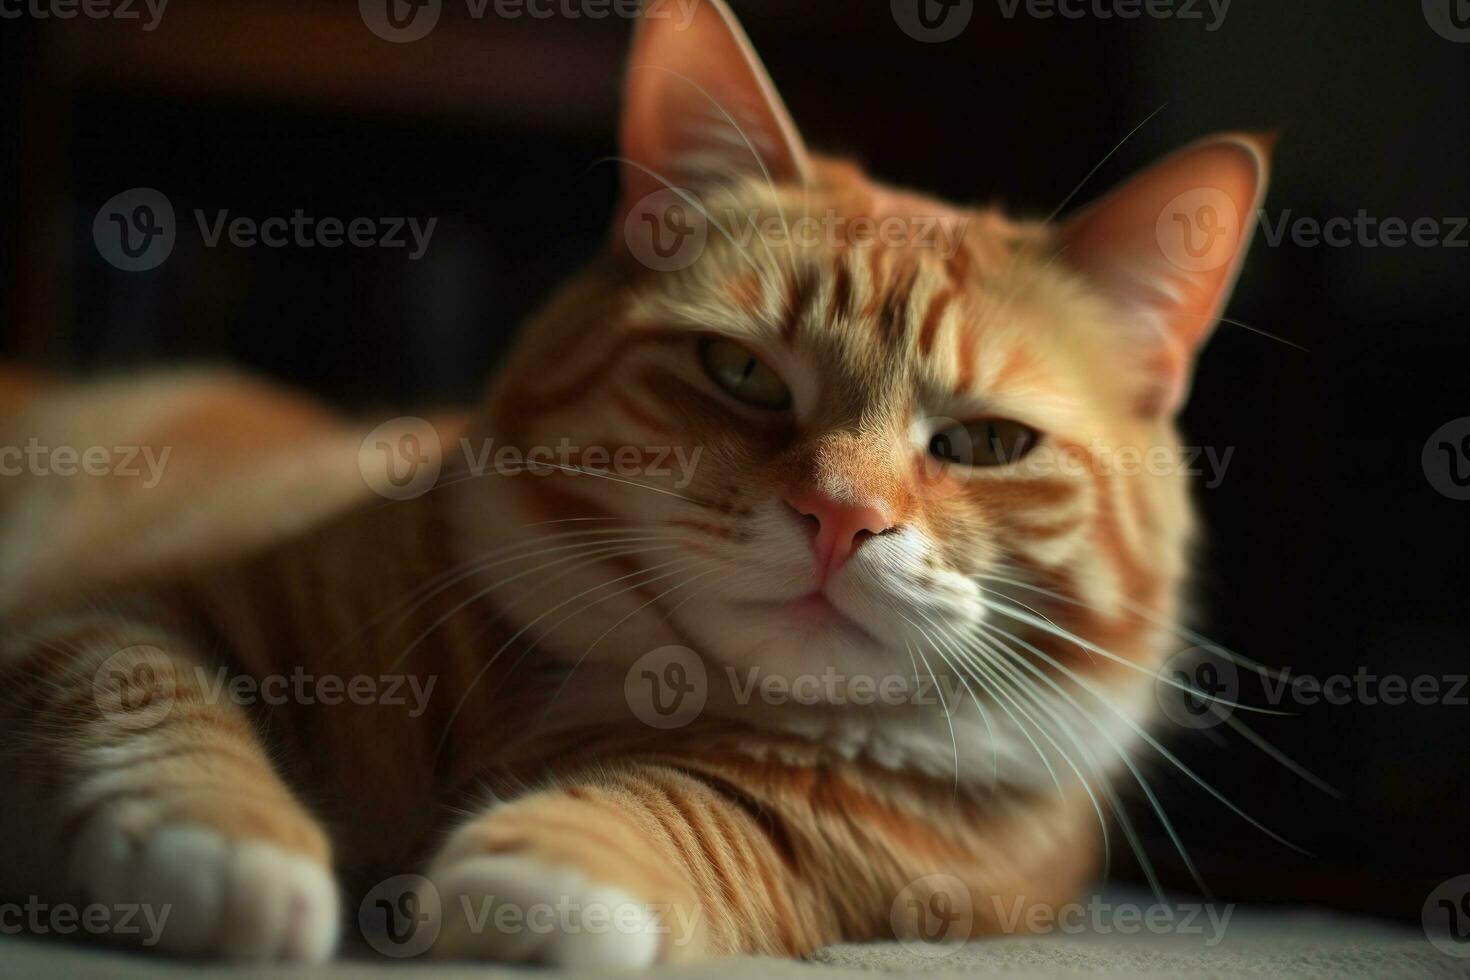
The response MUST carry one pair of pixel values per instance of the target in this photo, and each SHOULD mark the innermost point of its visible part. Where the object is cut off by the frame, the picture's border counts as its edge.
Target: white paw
(198, 894)
(518, 910)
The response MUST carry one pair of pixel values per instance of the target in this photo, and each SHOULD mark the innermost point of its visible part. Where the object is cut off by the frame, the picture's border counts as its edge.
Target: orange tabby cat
(879, 453)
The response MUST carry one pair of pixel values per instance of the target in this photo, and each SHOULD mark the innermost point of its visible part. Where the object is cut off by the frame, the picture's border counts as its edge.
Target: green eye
(987, 442)
(743, 375)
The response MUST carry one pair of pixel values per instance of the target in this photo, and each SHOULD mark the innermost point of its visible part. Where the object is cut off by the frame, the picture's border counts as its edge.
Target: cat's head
(839, 425)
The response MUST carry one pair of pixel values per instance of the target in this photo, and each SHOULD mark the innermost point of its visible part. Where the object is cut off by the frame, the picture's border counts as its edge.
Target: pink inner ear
(1169, 244)
(695, 96)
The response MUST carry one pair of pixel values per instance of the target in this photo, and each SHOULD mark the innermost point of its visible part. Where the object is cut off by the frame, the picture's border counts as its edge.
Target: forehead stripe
(894, 312)
(801, 289)
(938, 303)
(965, 357)
(840, 308)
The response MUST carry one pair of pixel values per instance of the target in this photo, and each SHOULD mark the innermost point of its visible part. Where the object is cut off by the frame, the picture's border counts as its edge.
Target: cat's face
(861, 428)
(878, 428)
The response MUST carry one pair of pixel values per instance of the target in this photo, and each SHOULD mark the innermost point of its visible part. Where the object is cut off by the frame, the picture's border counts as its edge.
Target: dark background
(1329, 550)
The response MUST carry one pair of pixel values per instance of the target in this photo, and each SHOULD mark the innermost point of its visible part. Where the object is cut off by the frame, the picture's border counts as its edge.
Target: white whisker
(1138, 730)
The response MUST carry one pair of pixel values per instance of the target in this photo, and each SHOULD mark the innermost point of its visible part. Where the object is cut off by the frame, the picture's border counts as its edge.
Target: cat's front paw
(202, 894)
(515, 909)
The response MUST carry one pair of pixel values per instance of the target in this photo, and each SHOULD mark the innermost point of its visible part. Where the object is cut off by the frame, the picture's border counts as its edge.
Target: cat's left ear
(699, 107)
(1168, 245)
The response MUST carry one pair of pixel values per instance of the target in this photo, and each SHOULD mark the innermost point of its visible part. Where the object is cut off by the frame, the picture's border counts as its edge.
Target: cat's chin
(792, 637)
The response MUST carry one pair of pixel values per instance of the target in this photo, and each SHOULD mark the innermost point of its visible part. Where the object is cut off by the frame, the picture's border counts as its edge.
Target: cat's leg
(134, 781)
(615, 868)
(640, 863)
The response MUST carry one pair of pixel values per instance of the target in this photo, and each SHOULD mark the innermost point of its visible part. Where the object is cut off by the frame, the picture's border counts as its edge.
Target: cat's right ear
(698, 107)
(1167, 247)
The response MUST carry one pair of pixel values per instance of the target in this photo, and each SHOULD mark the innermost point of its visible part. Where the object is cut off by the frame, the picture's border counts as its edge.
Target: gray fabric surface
(1256, 943)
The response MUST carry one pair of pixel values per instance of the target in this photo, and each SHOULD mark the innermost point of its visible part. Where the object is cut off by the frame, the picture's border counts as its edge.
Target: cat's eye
(742, 374)
(985, 442)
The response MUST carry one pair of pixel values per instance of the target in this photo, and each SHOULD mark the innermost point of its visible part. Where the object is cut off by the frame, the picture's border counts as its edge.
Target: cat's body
(508, 609)
(265, 597)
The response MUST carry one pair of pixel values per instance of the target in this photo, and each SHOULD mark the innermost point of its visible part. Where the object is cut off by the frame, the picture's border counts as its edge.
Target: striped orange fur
(814, 531)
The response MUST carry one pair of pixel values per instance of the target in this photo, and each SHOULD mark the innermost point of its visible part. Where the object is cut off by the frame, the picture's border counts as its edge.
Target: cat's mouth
(817, 609)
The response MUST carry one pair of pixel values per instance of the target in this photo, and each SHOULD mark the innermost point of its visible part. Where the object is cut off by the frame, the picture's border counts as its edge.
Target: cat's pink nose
(839, 527)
